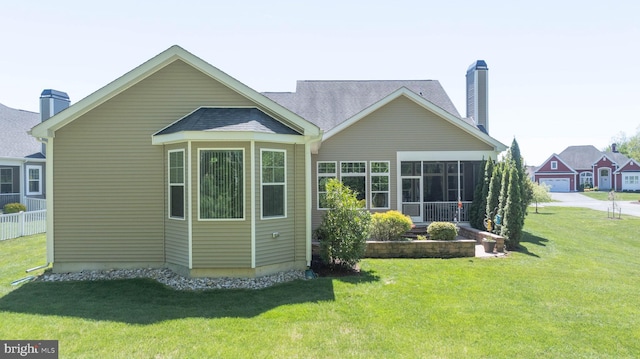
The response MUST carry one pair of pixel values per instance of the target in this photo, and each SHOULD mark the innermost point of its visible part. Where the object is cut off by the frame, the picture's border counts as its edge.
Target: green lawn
(573, 292)
(620, 196)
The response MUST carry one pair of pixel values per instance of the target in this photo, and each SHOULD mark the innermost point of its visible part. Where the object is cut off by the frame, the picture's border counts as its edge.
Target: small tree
(494, 191)
(479, 203)
(513, 216)
(345, 227)
(540, 193)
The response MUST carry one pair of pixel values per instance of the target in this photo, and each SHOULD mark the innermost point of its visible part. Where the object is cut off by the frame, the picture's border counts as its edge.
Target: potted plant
(489, 244)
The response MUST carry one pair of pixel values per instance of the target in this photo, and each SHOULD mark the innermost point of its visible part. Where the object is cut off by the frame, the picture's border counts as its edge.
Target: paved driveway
(578, 200)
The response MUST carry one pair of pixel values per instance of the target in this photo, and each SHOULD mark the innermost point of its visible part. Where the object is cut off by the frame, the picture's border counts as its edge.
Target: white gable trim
(601, 158)
(622, 168)
(403, 91)
(47, 129)
(537, 171)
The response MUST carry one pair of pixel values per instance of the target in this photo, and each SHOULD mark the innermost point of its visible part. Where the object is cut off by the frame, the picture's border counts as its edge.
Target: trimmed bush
(345, 227)
(389, 226)
(442, 231)
(14, 208)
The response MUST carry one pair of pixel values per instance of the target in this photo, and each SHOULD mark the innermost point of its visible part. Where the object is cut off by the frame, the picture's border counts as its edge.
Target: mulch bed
(325, 270)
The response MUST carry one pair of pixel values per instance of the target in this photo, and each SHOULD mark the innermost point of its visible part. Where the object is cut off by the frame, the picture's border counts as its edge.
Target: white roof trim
(620, 170)
(210, 136)
(403, 91)
(47, 128)
(549, 159)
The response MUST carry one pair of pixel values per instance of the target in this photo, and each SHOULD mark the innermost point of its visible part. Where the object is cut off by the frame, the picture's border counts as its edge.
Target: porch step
(416, 231)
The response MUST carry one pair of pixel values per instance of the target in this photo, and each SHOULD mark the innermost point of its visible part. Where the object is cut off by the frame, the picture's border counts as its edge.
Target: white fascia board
(622, 168)
(184, 136)
(12, 161)
(546, 174)
(445, 155)
(403, 91)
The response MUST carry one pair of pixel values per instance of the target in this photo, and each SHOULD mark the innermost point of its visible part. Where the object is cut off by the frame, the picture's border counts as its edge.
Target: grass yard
(620, 196)
(573, 292)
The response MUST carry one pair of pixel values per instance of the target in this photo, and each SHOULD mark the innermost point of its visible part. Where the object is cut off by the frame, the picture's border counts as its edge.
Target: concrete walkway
(574, 199)
(481, 253)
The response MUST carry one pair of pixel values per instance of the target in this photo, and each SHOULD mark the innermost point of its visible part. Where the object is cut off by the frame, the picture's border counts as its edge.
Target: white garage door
(556, 184)
(631, 181)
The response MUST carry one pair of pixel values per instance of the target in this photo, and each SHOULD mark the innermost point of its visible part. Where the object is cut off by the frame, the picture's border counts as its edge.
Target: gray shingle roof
(228, 119)
(329, 103)
(583, 157)
(14, 139)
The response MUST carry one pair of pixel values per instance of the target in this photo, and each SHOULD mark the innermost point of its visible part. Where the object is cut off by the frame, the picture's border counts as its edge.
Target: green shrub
(14, 208)
(345, 227)
(442, 231)
(389, 226)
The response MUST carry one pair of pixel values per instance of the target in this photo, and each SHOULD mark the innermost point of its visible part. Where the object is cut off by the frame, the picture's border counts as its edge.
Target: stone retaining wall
(421, 249)
(477, 235)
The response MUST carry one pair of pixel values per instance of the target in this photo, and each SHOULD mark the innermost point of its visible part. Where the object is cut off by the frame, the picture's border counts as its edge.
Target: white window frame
(379, 174)
(324, 175)
(344, 174)
(263, 184)
(631, 179)
(170, 184)
(29, 180)
(584, 176)
(244, 187)
(554, 165)
(11, 177)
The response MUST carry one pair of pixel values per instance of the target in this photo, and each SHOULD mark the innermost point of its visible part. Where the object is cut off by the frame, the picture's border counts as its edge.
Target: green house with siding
(177, 164)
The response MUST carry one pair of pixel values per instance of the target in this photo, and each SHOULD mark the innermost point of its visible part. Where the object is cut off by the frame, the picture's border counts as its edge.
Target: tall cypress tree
(479, 203)
(513, 215)
(526, 191)
(493, 194)
(504, 186)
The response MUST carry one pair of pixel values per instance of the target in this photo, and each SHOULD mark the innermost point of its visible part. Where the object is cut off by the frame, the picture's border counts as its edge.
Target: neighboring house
(176, 164)
(22, 158)
(578, 167)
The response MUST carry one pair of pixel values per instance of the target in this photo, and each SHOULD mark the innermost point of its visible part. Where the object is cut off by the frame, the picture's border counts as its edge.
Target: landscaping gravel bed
(176, 281)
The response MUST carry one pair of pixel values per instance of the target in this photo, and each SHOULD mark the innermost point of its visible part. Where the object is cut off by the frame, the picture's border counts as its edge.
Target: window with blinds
(221, 175)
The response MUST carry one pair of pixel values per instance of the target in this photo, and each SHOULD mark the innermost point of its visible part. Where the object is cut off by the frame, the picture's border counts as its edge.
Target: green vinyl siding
(401, 125)
(110, 182)
(270, 250)
(221, 243)
(176, 230)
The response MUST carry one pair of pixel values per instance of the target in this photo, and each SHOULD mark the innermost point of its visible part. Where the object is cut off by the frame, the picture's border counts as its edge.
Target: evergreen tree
(479, 203)
(526, 191)
(513, 215)
(507, 167)
(493, 194)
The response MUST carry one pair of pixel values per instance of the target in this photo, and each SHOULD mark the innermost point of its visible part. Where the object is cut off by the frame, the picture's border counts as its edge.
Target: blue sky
(561, 73)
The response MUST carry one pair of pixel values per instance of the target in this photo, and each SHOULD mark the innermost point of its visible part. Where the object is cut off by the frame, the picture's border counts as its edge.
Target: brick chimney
(478, 94)
(52, 102)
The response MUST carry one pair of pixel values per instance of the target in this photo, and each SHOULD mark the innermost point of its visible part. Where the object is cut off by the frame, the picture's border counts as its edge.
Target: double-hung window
(554, 165)
(176, 184)
(6, 180)
(326, 171)
(221, 188)
(274, 185)
(354, 176)
(379, 179)
(34, 179)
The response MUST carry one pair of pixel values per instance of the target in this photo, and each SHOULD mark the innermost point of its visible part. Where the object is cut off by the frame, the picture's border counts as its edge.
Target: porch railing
(8, 198)
(35, 204)
(446, 212)
(22, 224)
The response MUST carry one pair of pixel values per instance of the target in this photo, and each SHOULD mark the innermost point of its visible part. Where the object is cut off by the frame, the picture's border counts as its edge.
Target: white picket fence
(22, 224)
